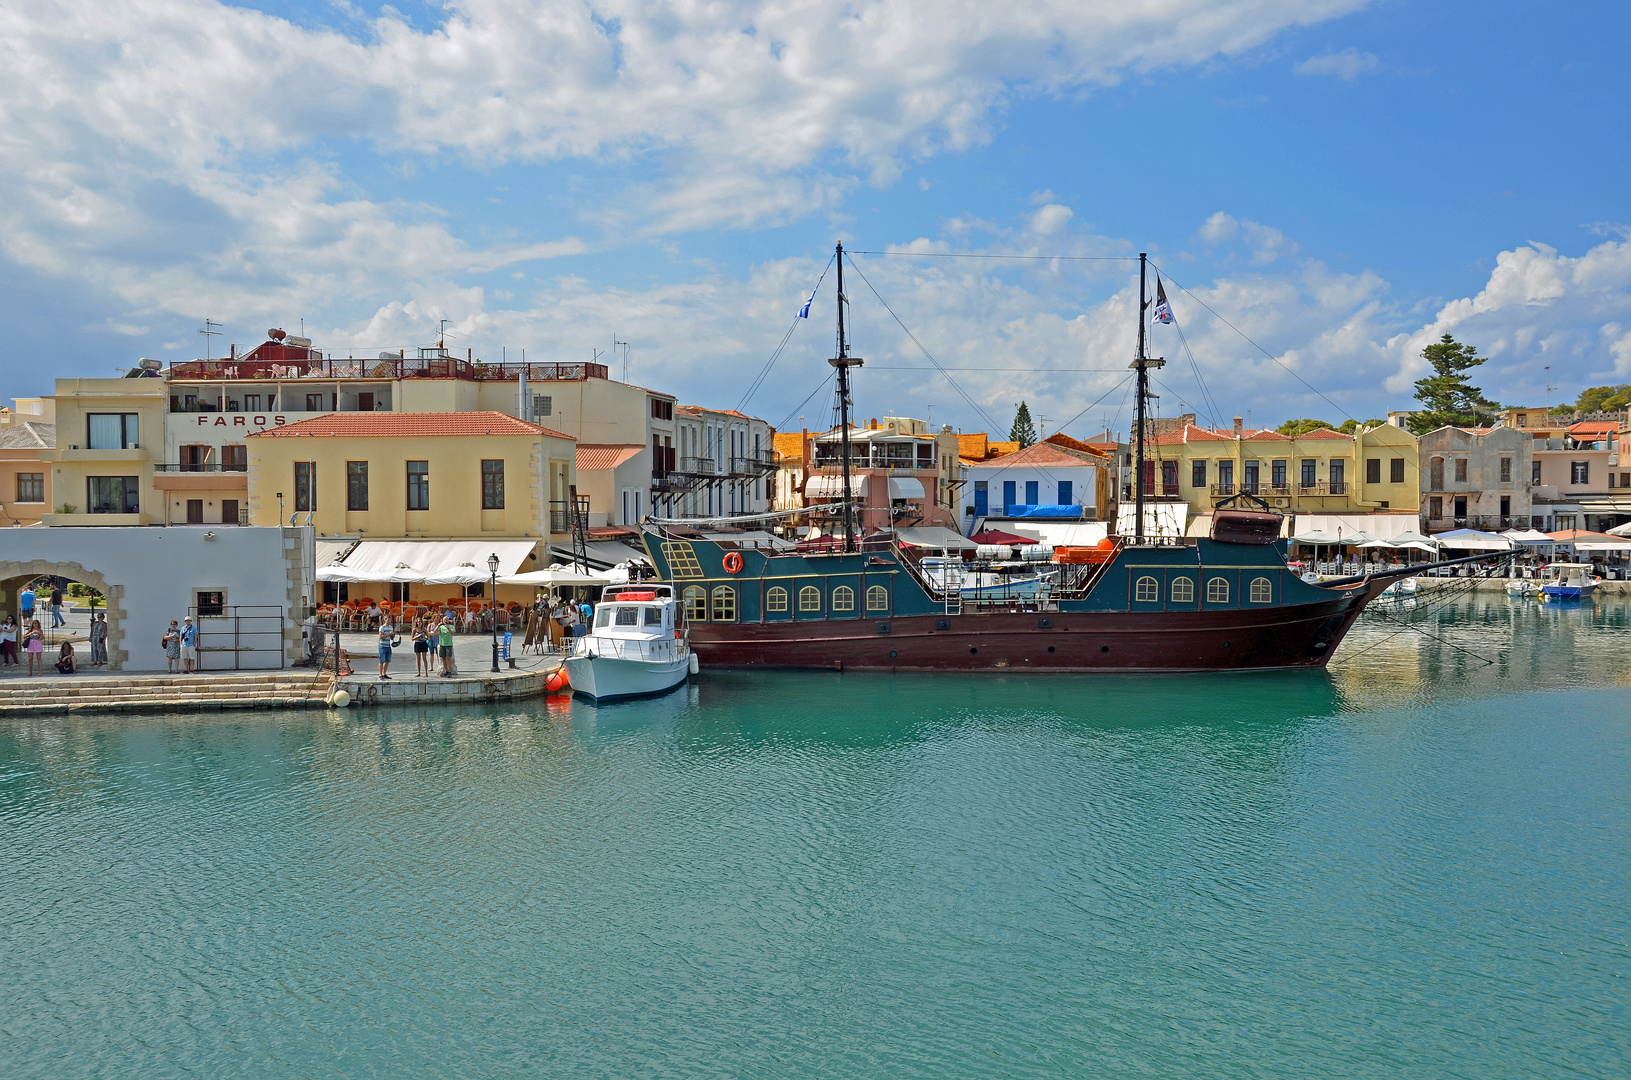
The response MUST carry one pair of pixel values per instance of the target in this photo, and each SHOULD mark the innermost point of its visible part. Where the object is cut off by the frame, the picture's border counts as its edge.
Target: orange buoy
(556, 681)
(733, 562)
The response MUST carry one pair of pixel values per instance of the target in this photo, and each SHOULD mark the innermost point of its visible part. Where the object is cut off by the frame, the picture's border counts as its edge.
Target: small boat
(1522, 587)
(1569, 581)
(1403, 587)
(637, 646)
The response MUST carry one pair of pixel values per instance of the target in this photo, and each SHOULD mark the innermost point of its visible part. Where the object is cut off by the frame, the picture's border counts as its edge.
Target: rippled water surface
(1415, 864)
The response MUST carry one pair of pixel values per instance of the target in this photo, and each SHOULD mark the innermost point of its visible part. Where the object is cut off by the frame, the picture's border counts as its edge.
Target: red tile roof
(394, 425)
(595, 456)
(1037, 454)
(1595, 427)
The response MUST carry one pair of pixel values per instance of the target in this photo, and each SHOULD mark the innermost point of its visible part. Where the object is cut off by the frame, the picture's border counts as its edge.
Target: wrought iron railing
(202, 466)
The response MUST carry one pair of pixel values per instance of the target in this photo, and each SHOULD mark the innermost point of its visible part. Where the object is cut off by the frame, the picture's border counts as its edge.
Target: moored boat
(636, 647)
(1568, 581)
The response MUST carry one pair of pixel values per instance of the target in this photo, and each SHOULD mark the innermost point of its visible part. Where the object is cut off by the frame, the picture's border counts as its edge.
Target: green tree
(1349, 427)
(1023, 431)
(1449, 396)
(1301, 426)
(1603, 399)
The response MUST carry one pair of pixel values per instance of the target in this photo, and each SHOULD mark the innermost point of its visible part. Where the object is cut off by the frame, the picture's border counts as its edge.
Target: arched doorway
(14, 575)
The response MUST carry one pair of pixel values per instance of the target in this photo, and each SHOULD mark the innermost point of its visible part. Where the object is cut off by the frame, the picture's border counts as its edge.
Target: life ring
(733, 562)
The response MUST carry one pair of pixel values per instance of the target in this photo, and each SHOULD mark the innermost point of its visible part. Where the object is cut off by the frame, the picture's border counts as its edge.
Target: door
(1010, 494)
(1031, 493)
(1250, 484)
(195, 511)
(1460, 509)
(1169, 478)
(982, 498)
(229, 511)
(1066, 494)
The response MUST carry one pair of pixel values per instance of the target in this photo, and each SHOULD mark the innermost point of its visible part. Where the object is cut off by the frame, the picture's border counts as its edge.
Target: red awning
(997, 536)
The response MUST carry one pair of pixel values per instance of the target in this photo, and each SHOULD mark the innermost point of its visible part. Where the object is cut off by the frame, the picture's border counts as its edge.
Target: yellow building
(110, 434)
(414, 475)
(1319, 472)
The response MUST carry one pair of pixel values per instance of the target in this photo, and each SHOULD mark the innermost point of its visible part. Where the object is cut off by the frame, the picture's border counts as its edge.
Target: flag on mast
(804, 312)
(1163, 310)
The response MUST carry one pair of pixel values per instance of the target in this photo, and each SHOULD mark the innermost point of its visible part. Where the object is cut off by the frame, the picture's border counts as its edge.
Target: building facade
(25, 478)
(901, 474)
(110, 439)
(414, 475)
(1477, 478)
(725, 465)
(1042, 474)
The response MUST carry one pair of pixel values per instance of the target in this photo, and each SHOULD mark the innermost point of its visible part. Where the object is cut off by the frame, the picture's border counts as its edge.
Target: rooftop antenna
(1041, 426)
(1548, 370)
(441, 335)
(615, 344)
(209, 331)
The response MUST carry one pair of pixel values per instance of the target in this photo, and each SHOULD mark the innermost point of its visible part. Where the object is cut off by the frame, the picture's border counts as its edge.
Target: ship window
(1146, 590)
(809, 598)
(877, 598)
(776, 599)
(603, 617)
(696, 603)
(654, 616)
(1262, 591)
(724, 604)
(843, 598)
(1183, 590)
(1217, 591)
(628, 616)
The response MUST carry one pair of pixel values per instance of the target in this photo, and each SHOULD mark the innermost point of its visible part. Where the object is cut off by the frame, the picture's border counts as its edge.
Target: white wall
(152, 575)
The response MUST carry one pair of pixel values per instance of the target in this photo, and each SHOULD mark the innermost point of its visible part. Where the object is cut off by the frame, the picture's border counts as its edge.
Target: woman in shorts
(34, 645)
(421, 649)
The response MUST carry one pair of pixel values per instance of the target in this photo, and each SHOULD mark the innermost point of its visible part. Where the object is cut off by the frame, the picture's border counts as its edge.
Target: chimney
(1240, 427)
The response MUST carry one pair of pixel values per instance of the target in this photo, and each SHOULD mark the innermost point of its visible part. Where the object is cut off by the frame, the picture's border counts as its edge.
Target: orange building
(25, 482)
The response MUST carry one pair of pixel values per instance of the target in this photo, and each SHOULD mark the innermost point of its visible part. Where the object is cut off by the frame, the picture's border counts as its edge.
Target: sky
(1325, 187)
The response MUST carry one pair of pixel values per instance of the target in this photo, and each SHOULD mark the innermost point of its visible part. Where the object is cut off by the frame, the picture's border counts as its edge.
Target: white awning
(1061, 533)
(934, 536)
(1601, 548)
(905, 488)
(831, 486)
(546, 578)
(330, 552)
(433, 561)
(603, 554)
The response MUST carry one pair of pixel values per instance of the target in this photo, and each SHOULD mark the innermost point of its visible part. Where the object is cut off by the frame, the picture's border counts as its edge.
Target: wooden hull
(1297, 636)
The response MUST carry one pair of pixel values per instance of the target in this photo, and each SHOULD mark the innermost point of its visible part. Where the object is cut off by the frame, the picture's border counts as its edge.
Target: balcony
(1481, 522)
(200, 476)
(560, 514)
(760, 464)
(202, 466)
(435, 366)
(73, 452)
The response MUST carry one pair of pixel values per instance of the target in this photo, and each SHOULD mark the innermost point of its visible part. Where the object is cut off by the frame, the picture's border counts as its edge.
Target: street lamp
(492, 569)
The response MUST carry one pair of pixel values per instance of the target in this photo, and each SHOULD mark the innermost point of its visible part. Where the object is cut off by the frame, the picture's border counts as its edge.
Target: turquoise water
(1412, 865)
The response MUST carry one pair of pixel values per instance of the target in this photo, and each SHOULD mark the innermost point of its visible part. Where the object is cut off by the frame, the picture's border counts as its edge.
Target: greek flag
(1163, 310)
(804, 312)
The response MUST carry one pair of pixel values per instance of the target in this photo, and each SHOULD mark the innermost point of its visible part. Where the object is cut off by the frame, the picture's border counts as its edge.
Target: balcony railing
(392, 368)
(1482, 522)
(560, 516)
(202, 467)
(759, 464)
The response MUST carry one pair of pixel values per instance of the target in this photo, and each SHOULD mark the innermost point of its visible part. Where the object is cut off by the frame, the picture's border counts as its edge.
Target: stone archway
(14, 571)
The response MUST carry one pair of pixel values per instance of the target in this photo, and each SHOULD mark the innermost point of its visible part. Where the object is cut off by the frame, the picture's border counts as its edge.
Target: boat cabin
(636, 611)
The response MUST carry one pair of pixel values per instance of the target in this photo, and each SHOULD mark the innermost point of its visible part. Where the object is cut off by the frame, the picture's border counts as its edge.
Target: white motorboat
(1401, 588)
(1524, 587)
(635, 648)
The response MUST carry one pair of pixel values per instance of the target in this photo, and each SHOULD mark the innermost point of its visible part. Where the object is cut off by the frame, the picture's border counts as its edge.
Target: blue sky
(1342, 180)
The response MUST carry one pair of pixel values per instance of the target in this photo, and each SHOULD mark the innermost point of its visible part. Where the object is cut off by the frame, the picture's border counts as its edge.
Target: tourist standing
(189, 646)
(171, 643)
(34, 645)
(25, 603)
(444, 643)
(99, 639)
(387, 639)
(421, 648)
(8, 641)
(56, 608)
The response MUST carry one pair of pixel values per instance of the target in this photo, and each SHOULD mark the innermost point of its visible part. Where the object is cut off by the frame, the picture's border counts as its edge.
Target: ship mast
(843, 362)
(1141, 364)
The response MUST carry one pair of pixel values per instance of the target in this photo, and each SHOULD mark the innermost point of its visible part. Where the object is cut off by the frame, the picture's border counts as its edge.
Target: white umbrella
(555, 576)
(1423, 543)
(1621, 530)
(1416, 545)
(1317, 539)
(1528, 536)
(1377, 544)
(1474, 540)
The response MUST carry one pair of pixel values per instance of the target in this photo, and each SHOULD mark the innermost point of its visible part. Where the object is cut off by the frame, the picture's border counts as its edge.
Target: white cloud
(1050, 219)
(1264, 243)
(1348, 65)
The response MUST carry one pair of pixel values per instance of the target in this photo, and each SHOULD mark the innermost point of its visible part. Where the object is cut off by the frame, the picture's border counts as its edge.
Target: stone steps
(213, 690)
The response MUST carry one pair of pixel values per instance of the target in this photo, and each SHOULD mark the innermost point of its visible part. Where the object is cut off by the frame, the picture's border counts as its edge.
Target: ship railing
(651, 649)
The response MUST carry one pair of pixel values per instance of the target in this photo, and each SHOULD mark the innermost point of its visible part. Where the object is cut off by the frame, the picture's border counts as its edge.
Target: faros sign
(261, 421)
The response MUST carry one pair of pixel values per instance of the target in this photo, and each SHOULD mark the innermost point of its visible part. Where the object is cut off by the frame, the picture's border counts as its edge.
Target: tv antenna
(1548, 370)
(615, 344)
(209, 331)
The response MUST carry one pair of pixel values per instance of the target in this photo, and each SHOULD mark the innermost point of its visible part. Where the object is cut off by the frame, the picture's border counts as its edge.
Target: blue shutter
(1031, 493)
(1008, 495)
(1065, 493)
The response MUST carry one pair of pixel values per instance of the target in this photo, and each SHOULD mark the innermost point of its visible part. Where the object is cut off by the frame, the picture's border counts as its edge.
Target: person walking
(8, 641)
(444, 643)
(56, 608)
(99, 640)
(171, 643)
(421, 648)
(189, 646)
(25, 604)
(387, 639)
(34, 645)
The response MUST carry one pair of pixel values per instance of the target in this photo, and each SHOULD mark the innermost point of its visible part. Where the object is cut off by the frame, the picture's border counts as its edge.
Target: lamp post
(492, 597)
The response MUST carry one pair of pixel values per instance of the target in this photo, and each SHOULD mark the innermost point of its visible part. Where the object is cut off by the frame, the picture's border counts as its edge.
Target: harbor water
(1413, 864)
